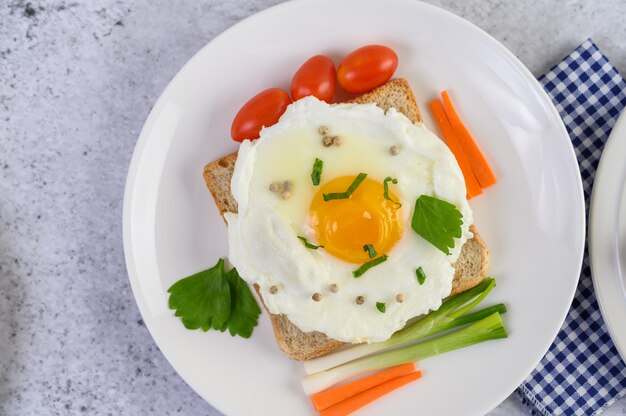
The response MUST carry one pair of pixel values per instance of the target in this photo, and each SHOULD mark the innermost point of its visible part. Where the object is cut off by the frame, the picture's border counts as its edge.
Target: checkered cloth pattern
(582, 373)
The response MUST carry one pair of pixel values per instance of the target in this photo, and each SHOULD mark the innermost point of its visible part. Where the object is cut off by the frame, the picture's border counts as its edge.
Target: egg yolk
(344, 226)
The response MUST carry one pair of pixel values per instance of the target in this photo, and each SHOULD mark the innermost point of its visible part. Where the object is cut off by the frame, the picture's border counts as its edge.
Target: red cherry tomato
(367, 68)
(264, 109)
(316, 77)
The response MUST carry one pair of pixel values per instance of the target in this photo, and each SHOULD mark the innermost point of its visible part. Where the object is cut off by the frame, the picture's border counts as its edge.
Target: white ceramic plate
(607, 234)
(532, 220)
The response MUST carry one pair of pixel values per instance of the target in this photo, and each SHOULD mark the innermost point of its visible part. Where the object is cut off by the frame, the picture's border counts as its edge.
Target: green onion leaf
(316, 174)
(453, 313)
(488, 328)
(366, 266)
(371, 251)
(345, 195)
(421, 276)
(437, 221)
(381, 306)
(386, 189)
(309, 245)
(466, 308)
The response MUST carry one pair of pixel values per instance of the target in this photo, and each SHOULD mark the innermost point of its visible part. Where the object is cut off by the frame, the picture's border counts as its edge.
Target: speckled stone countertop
(77, 80)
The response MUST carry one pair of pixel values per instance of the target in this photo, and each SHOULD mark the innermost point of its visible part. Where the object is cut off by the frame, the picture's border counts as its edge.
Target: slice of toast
(470, 268)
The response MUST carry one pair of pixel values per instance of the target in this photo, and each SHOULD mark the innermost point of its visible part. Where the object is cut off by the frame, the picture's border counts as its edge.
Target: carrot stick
(477, 161)
(356, 402)
(471, 183)
(334, 395)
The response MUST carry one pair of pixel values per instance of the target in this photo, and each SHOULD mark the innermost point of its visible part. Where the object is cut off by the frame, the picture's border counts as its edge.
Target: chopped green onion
(345, 195)
(441, 320)
(316, 174)
(386, 189)
(381, 306)
(371, 251)
(366, 266)
(421, 276)
(309, 245)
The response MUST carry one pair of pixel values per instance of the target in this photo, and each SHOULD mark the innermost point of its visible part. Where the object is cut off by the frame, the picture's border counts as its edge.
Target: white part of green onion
(486, 329)
(325, 362)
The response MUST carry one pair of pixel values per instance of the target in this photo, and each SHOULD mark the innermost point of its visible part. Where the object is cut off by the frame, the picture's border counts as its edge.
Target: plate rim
(600, 215)
(162, 99)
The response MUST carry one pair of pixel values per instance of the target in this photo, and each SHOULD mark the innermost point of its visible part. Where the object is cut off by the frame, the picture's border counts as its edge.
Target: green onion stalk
(487, 328)
(451, 314)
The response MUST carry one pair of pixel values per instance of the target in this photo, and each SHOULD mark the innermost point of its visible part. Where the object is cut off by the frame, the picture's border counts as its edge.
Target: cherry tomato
(264, 109)
(316, 77)
(367, 68)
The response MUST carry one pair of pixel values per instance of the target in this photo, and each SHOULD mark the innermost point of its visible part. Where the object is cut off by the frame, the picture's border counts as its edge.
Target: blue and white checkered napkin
(582, 373)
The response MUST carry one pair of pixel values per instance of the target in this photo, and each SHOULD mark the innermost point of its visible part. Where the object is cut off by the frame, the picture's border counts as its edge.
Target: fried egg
(280, 209)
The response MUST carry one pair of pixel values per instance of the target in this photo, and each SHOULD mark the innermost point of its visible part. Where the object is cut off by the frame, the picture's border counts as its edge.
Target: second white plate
(607, 234)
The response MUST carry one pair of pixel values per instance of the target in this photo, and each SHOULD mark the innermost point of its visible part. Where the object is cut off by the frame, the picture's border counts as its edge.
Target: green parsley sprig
(437, 221)
(215, 299)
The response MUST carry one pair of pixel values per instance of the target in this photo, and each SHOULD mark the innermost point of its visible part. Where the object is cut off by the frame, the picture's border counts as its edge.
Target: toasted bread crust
(396, 93)
(293, 342)
(217, 176)
(470, 268)
(472, 265)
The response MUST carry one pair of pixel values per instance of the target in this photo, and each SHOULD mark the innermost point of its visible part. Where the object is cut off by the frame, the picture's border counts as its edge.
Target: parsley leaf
(316, 173)
(421, 276)
(215, 299)
(437, 222)
(244, 311)
(202, 300)
(381, 306)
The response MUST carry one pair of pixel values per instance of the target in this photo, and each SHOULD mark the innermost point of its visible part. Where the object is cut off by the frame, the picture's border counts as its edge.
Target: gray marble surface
(77, 80)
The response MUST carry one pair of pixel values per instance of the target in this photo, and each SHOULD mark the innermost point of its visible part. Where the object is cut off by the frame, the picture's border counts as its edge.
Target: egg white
(263, 241)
